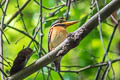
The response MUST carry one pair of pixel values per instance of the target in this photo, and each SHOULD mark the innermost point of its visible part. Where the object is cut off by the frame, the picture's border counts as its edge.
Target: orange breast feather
(58, 35)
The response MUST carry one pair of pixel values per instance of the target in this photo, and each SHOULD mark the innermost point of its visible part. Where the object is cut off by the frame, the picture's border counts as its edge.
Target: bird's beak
(70, 23)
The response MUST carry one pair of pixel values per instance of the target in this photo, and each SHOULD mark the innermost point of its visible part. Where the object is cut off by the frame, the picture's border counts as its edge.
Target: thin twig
(21, 15)
(71, 66)
(55, 12)
(3, 73)
(34, 35)
(41, 35)
(3, 64)
(26, 34)
(17, 12)
(108, 24)
(61, 77)
(106, 52)
(1, 39)
(100, 27)
(92, 4)
(68, 9)
(5, 60)
(91, 66)
(49, 8)
(9, 59)
(113, 18)
(43, 74)
(5, 36)
(19, 39)
(49, 73)
(113, 72)
(104, 76)
(41, 31)
(2, 3)
(36, 75)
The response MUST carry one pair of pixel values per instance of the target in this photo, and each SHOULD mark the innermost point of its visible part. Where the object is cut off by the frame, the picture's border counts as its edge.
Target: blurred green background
(90, 50)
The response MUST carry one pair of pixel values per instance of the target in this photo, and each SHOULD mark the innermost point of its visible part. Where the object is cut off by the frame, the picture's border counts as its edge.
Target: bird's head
(63, 23)
(27, 52)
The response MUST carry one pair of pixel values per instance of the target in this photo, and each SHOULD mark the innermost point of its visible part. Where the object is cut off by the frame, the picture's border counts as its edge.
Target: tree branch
(92, 66)
(41, 31)
(72, 41)
(107, 50)
(17, 12)
(1, 40)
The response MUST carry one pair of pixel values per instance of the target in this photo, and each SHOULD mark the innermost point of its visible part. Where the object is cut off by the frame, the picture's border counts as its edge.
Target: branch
(2, 3)
(49, 8)
(68, 3)
(106, 52)
(21, 17)
(41, 31)
(92, 66)
(1, 40)
(26, 34)
(72, 41)
(17, 12)
(3, 72)
(100, 27)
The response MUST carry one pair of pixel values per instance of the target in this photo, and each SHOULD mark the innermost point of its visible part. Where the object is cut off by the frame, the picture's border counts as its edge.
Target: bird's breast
(58, 36)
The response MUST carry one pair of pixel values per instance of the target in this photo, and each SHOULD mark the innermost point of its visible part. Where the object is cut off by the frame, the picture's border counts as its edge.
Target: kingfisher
(57, 34)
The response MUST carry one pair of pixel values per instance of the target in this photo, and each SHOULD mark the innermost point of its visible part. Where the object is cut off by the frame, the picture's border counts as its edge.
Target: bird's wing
(19, 64)
(49, 38)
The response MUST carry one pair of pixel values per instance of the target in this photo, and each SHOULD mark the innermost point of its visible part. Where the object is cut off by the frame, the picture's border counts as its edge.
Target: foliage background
(89, 51)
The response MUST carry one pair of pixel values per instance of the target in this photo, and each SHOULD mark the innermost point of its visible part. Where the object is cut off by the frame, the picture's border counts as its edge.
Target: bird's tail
(57, 66)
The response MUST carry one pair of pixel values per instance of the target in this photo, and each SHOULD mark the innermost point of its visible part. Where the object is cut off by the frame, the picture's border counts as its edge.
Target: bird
(57, 34)
(21, 60)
